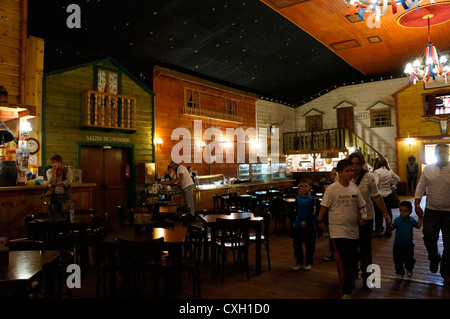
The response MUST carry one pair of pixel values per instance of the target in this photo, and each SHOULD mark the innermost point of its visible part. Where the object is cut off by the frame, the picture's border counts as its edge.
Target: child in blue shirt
(304, 227)
(403, 250)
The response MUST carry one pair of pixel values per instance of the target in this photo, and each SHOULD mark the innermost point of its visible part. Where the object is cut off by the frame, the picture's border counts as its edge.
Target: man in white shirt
(435, 179)
(184, 181)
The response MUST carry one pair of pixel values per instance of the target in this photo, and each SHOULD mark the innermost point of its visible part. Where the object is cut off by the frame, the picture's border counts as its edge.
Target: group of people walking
(354, 208)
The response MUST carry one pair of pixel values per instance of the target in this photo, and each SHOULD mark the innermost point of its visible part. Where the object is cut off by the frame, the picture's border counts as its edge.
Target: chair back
(53, 234)
(139, 261)
(233, 233)
(194, 242)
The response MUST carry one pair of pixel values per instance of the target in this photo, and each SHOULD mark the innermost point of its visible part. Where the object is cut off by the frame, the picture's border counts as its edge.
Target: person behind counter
(169, 177)
(184, 181)
(60, 178)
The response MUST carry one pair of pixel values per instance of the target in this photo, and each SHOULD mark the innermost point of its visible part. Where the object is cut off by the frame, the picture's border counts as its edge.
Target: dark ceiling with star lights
(242, 44)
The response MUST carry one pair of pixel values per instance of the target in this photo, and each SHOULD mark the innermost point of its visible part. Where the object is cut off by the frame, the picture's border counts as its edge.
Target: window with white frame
(380, 117)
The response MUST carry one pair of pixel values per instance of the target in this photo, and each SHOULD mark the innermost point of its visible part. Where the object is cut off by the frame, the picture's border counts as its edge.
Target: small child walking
(304, 227)
(403, 250)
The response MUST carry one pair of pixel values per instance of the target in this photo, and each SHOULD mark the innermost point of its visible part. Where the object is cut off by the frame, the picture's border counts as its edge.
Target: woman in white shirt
(384, 178)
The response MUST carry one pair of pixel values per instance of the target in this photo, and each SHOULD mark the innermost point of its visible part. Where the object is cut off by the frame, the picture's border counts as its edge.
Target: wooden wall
(410, 106)
(169, 87)
(62, 123)
(12, 47)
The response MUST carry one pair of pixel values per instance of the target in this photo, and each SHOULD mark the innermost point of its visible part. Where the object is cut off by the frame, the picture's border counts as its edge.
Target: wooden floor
(319, 283)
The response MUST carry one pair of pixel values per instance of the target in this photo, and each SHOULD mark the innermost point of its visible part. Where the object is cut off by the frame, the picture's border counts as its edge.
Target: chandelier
(429, 65)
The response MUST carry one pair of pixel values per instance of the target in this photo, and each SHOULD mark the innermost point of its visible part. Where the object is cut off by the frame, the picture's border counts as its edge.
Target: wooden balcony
(212, 114)
(331, 140)
(108, 111)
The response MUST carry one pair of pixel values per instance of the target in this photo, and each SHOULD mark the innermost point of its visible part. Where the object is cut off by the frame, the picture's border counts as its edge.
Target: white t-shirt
(187, 180)
(384, 179)
(343, 203)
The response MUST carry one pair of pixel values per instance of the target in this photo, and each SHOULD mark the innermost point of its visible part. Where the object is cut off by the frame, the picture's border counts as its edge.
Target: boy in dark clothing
(304, 227)
(403, 250)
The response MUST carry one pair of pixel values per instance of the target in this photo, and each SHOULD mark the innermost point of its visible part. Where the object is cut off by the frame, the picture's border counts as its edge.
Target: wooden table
(210, 220)
(25, 267)
(173, 243)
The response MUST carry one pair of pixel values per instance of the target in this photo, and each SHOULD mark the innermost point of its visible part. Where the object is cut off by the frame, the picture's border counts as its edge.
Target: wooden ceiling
(372, 51)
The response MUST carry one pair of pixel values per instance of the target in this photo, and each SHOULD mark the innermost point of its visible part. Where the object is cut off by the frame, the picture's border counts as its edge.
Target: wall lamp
(159, 142)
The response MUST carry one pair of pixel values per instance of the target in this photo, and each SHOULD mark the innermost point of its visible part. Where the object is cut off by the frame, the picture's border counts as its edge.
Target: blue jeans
(434, 222)
(56, 203)
(308, 237)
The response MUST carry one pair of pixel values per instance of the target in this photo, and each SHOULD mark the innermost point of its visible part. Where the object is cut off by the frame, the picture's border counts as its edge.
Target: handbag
(395, 199)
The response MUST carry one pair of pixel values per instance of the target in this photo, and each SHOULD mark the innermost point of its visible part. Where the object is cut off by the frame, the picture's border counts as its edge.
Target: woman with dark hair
(369, 191)
(385, 179)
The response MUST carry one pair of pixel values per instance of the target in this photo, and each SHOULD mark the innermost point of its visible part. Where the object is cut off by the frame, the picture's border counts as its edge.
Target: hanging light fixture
(430, 64)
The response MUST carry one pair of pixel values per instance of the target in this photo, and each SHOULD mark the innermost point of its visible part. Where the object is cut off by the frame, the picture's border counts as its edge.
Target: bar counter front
(18, 201)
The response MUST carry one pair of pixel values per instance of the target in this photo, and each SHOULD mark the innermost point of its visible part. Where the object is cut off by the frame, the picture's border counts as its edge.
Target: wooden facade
(170, 114)
(66, 131)
(410, 106)
(63, 114)
(21, 71)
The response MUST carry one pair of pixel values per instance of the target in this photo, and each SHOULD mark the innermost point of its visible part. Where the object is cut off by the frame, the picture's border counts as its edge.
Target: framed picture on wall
(319, 162)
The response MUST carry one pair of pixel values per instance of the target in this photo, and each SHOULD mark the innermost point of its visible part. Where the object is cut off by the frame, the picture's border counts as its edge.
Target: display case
(261, 171)
(210, 181)
(243, 171)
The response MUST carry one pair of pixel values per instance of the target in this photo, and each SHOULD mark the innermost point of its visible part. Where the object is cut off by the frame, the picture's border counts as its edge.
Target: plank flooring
(320, 283)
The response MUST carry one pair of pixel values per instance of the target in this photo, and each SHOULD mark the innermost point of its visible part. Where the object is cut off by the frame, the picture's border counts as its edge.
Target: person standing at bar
(184, 181)
(60, 178)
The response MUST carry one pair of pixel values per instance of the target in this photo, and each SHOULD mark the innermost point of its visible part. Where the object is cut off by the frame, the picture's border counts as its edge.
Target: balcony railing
(327, 140)
(212, 114)
(105, 110)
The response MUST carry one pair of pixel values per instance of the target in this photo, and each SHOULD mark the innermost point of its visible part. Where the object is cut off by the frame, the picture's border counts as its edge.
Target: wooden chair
(139, 261)
(53, 234)
(124, 212)
(193, 252)
(56, 275)
(232, 235)
(265, 235)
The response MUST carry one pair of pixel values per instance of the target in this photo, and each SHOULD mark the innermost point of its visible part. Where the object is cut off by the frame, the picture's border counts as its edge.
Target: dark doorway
(106, 168)
(345, 120)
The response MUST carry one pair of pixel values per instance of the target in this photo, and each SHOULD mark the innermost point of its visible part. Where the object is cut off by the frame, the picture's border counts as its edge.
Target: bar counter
(18, 201)
(203, 195)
